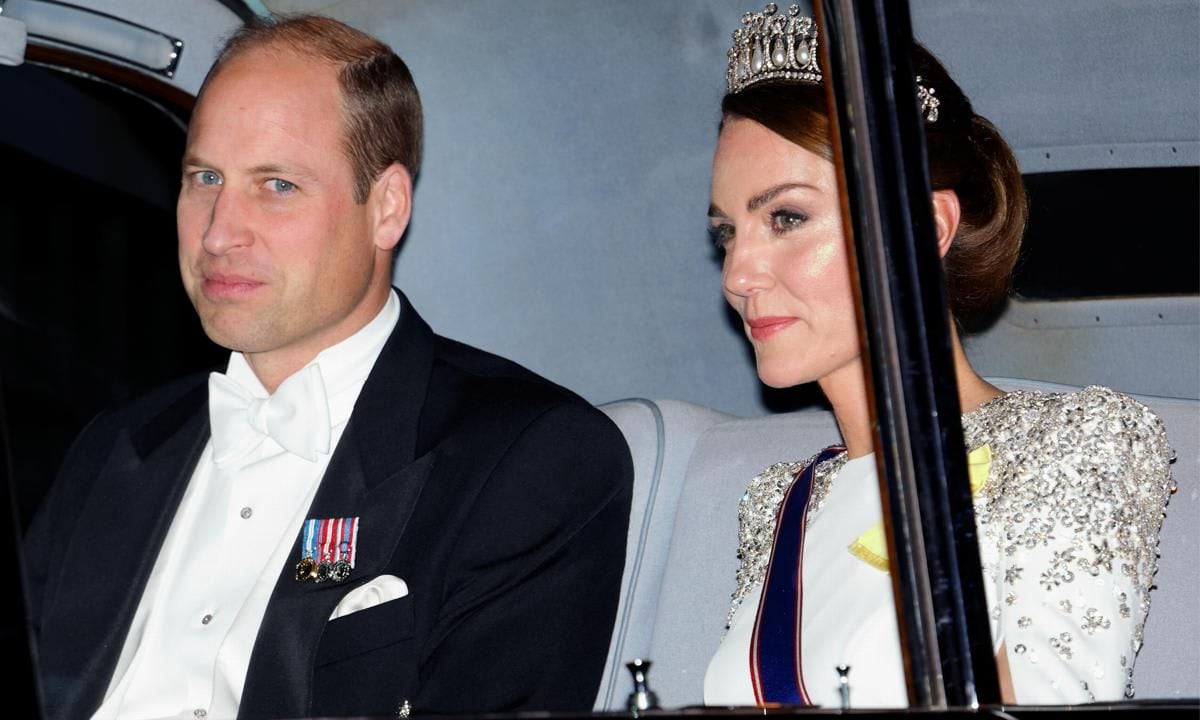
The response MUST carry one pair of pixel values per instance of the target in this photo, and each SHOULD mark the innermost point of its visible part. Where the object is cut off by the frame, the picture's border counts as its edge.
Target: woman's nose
(746, 271)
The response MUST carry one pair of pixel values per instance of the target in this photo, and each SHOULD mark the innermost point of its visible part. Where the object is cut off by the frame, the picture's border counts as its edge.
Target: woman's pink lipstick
(764, 327)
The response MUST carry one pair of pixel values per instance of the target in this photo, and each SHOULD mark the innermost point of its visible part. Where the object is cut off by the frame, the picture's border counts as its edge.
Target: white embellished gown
(1068, 510)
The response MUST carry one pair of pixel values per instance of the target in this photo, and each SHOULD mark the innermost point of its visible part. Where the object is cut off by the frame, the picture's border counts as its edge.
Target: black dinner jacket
(501, 499)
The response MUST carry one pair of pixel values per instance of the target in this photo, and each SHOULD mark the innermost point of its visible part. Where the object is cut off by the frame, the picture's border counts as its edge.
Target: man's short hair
(381, 107)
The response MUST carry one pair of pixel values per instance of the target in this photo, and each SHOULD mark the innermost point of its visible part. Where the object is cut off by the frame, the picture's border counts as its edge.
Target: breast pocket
(366, 631)
(366, 663)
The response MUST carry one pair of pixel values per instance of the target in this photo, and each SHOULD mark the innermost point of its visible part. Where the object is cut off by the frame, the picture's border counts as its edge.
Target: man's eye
(280, 186)
(720, 235)
(208, 177)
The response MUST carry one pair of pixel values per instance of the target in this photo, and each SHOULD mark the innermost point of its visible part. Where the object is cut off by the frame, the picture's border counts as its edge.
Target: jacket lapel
(374, 474)
(147, 468)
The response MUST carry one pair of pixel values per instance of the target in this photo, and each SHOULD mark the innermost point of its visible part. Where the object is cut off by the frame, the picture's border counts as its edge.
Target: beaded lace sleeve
(1069, 522)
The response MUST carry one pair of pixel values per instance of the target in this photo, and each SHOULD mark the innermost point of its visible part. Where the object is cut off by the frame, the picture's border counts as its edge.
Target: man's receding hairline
(276, 45)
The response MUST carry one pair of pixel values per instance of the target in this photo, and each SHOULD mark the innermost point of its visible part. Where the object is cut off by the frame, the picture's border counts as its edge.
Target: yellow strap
(871, 546)
(979, 463)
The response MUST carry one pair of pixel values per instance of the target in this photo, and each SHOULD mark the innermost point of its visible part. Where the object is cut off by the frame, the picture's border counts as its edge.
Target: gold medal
(305, 569)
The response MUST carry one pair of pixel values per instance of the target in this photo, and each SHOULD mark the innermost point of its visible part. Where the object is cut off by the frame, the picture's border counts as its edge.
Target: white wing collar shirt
(188, 648)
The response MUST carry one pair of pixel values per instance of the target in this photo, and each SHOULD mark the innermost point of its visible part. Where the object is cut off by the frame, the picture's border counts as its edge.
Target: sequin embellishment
(1070, 514)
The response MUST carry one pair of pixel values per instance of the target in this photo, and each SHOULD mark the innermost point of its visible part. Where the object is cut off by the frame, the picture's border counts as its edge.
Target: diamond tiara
(774, 46)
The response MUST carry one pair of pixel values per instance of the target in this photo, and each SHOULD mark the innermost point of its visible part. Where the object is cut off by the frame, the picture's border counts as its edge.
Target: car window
(91, 310)
(1111, 233)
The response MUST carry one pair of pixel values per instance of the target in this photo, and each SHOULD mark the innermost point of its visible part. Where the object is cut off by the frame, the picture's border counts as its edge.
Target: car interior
(560, 221)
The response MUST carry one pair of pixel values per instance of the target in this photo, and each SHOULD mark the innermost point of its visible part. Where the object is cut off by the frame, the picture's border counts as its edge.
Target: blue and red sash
(775, 650)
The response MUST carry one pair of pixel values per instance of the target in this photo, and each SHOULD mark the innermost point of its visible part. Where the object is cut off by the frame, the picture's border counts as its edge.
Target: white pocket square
(384, 588)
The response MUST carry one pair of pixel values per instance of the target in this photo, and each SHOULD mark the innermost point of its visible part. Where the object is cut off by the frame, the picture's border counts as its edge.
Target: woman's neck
(973, 390)
(846, 389)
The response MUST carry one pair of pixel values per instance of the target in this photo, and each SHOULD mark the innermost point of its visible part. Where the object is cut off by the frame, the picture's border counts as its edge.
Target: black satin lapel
(383, 515)
(126, 519)
(386, 418)
(279, 679)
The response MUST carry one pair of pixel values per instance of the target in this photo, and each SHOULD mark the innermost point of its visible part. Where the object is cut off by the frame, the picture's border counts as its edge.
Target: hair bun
(968, 155)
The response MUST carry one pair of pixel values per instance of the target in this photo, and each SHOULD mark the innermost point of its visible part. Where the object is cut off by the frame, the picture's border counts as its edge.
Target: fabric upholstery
(660, 460)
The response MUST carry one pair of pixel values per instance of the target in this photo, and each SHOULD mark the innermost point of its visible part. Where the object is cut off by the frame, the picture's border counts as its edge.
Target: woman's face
(776, 214)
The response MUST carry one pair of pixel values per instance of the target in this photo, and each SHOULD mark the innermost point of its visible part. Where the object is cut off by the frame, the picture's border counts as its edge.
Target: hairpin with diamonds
(774, 46)
(929, 102)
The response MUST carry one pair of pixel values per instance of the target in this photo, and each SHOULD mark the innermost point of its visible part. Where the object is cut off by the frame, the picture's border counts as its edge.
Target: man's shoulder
(187, 390)
(483, 373)
(156, 410)
(166, 405)
(472, 384)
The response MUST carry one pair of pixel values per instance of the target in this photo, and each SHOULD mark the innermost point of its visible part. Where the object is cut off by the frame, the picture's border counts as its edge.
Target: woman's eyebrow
(770, 194)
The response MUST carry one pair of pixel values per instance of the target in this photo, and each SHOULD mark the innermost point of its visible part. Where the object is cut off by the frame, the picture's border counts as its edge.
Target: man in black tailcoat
(359, 516)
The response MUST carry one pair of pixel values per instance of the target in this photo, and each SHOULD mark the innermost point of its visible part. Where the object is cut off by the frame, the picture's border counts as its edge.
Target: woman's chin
(779, 380)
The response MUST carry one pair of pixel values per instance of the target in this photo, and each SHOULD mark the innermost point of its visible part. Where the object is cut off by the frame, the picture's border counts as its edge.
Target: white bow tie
(296, 416)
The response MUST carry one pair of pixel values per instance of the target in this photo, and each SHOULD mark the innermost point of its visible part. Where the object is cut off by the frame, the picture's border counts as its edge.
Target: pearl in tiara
(772, 46)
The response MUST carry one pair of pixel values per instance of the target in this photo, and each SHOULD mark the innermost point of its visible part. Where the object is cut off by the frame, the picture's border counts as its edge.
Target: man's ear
(946, 212)
(391, 194)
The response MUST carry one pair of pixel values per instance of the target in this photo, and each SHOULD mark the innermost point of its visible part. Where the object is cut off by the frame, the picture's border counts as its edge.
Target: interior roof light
(61, 23)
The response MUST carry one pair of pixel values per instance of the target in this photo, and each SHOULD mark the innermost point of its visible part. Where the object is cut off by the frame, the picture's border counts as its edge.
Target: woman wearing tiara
(1069, 488)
